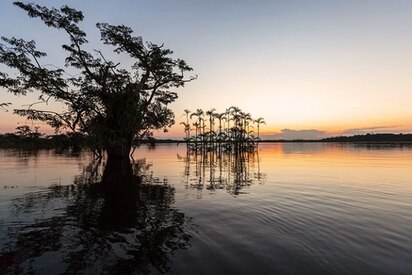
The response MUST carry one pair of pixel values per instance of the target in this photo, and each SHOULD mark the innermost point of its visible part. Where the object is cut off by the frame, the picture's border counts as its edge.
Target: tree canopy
(105, 101)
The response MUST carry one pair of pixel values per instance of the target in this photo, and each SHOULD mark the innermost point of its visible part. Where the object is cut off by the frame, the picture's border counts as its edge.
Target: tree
(220, 117)
(186, 124)
(111, 104)
(23, 131)
(199, 114)
(259, 121)
(211, 113)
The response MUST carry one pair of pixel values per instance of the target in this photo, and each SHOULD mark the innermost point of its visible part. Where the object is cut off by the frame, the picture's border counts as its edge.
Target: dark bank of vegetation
(27, 138)
(47, 142)
(372, 138)
(112, 105)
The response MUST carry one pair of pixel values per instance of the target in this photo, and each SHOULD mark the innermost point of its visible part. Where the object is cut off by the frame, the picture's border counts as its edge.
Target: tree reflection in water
(114, 219)
(218, 169)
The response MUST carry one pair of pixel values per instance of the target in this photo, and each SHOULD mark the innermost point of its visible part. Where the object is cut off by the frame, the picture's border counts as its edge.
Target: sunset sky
(311, 68)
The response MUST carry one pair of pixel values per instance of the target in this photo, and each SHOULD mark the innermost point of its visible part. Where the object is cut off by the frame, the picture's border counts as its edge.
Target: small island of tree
(232, 129)
(112, 105)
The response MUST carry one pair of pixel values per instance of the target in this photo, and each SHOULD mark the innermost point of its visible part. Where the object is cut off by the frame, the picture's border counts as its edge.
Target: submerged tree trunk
(121, 125)
(119, 149)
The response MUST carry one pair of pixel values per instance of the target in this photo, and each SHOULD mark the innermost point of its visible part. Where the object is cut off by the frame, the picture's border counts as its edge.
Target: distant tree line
(372, 138)
(26, 137)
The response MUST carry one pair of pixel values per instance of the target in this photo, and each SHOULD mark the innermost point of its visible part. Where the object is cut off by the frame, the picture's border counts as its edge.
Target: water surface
(311, 208)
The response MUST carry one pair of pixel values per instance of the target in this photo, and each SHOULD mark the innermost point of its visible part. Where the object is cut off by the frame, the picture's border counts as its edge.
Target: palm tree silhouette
(259, 121)
(199, 114)
(220, 117)
(211, 114)
(187, 124)
(187, 130)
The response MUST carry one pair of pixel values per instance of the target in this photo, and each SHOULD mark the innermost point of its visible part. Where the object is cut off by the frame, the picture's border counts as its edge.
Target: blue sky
(329, 66)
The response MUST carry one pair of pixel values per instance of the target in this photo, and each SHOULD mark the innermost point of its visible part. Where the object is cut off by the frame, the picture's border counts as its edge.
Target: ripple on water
(306, 208)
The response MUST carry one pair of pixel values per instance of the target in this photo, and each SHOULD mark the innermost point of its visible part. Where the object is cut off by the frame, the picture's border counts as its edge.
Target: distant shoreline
(291, 141)
(368, 138)
(62, 141)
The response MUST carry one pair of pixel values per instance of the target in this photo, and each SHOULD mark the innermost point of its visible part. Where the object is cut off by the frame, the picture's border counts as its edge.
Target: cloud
(289, 134)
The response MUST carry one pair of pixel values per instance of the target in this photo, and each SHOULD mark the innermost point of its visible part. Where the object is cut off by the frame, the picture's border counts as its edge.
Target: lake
(289, 208)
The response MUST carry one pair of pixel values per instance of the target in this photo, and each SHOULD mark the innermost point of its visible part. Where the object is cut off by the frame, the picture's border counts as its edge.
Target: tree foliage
(103, 100)
(25, 131)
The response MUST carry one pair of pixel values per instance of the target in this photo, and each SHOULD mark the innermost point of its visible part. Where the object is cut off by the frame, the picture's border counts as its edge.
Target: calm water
(290, 208)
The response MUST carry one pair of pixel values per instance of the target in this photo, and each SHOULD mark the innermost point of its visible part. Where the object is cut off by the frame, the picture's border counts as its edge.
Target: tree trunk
(119, 149)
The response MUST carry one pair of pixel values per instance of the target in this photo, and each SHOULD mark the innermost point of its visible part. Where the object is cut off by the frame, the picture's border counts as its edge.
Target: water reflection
(324, 148)
(330, 208)
(231, 171)
(119, 218)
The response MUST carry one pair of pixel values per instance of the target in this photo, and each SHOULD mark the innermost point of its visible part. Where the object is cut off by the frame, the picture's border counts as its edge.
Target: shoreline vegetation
(13, 140)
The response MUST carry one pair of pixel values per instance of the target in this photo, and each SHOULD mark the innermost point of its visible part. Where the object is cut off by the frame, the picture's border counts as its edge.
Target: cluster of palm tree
(230, 127)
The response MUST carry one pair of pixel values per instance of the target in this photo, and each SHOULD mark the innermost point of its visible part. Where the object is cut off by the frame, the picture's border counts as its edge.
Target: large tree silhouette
(104, 101)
